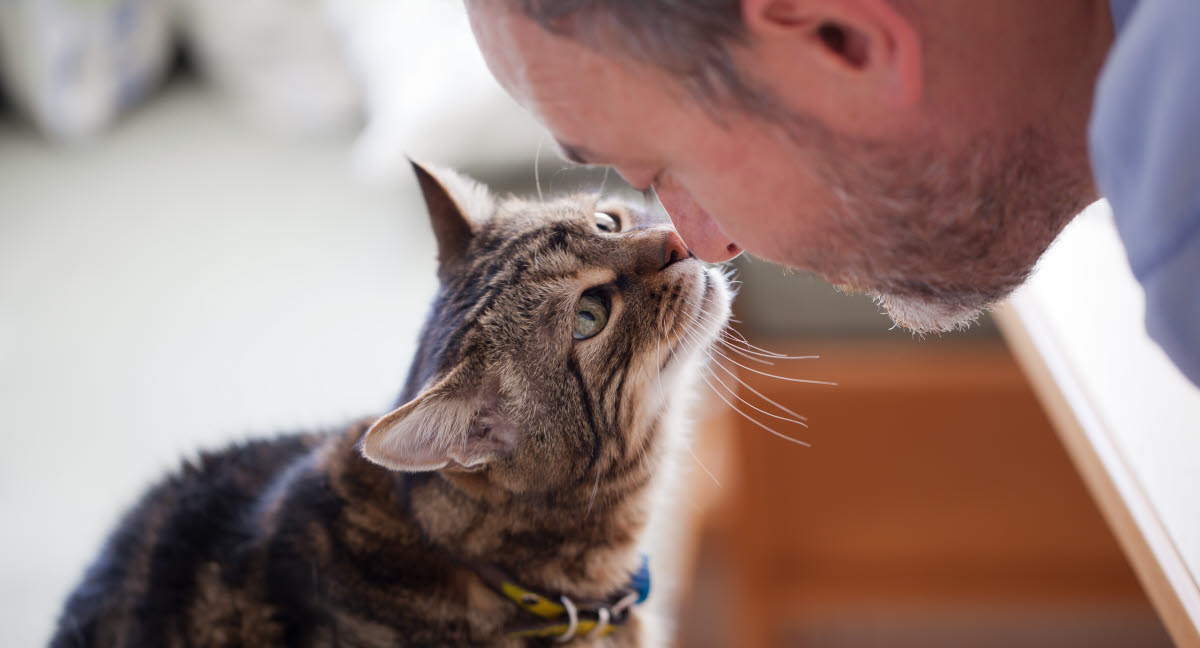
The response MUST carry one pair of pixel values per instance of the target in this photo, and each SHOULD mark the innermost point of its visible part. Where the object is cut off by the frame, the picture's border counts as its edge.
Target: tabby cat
(500, 505)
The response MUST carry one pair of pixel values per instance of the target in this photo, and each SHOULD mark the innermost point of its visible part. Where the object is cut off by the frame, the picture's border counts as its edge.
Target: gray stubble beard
(937, 242)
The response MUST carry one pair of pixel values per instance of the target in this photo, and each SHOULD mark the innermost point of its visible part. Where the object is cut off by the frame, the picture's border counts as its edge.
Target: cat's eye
(607, 223)
(591, 314)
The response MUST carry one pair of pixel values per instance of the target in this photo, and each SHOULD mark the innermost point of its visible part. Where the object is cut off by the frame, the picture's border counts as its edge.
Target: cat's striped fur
(517, 446)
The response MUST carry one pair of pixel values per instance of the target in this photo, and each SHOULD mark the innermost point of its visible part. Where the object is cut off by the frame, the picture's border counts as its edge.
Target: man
(924, 151)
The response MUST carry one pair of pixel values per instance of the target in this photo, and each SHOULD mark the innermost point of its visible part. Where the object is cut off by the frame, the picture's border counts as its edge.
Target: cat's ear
(456, 206)
(448, 426)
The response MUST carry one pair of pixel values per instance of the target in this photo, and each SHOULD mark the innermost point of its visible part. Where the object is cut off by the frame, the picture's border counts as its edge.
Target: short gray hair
(690, 39)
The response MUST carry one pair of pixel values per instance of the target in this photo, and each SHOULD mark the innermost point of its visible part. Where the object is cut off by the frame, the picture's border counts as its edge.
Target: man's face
(936, 232)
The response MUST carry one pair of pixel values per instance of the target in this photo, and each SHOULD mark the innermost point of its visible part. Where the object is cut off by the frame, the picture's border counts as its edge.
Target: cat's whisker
(729, 332)
(658, 363)
(751, 419)
(753, 350)
(561, 169)
(733, 374)
(736, 336)
(739, 339)
(763, 353)
(697, 322)
(745, 355)
(730, 342)
(701, 316)
(770, 375)
(734, 393)
(537, 176)
(690, 341)
(702, 466)
(733, 344)
(744, 384)
(693, 336)
(799, 419)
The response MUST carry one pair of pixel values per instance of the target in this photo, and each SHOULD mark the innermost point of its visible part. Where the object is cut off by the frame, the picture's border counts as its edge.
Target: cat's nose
(664, 248)
(674, 249)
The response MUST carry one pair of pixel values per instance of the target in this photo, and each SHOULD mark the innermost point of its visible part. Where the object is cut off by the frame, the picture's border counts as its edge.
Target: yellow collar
(564, 618)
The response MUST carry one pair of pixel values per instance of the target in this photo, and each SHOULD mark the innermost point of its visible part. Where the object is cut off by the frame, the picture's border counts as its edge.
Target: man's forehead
(600, 110)
(520, 54)
(498, 39)
(549, 75)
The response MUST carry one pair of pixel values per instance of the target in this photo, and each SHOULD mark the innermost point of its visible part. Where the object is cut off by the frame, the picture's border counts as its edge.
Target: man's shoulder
(1144, 138)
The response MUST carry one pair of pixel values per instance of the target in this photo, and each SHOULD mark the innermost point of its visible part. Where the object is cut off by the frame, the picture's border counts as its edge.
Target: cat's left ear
(449, 425)
(457, 205)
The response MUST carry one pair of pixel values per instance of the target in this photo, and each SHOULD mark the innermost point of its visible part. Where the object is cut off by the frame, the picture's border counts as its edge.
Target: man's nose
(703, 235)
(640, 178)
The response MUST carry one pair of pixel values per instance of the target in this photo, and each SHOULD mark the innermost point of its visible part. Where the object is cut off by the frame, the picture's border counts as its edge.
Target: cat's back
(204, 513)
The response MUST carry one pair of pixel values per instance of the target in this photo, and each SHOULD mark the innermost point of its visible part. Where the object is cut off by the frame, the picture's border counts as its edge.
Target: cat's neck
(580, 541)
(571, 542)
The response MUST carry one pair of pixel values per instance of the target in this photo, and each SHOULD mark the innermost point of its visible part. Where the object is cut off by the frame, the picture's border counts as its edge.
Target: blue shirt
(1144, 140)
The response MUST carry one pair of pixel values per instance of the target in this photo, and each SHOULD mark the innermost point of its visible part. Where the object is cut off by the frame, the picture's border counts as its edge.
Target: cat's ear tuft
(456, 205)
(446, 427)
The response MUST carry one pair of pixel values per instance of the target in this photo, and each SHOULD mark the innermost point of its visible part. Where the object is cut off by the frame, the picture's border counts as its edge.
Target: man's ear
(448, 425)
(456, 205)
(839, 52)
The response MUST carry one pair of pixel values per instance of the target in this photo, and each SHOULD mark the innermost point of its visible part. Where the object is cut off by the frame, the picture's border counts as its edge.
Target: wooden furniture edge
(1116, 489)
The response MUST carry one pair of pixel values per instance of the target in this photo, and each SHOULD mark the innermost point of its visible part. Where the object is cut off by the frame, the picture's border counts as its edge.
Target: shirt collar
(1121, 11)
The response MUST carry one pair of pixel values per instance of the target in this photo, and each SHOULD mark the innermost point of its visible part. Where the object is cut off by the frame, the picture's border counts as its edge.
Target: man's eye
(607, 223)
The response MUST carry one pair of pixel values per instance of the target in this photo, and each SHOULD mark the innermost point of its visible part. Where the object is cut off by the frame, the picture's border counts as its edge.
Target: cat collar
(564, 619)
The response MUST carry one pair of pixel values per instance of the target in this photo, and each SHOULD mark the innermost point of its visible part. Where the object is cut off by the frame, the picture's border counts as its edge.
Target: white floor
(179, 283)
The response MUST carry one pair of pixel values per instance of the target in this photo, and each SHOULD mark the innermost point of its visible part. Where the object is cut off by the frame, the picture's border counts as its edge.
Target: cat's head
(559, 337)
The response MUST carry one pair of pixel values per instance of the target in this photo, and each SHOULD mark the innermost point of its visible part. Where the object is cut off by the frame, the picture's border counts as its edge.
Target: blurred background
(208, 232)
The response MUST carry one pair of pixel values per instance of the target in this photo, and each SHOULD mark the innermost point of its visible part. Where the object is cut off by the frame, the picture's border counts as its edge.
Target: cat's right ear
(453, 424)
(456, 205)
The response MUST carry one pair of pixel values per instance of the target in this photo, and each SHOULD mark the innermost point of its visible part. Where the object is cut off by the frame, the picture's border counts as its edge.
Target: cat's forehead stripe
(502, 267)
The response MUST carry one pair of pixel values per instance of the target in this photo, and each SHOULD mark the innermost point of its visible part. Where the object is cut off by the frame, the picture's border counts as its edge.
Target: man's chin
(923, 315)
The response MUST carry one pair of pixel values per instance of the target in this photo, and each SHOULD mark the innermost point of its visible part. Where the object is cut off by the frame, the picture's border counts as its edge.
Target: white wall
(178, 283)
